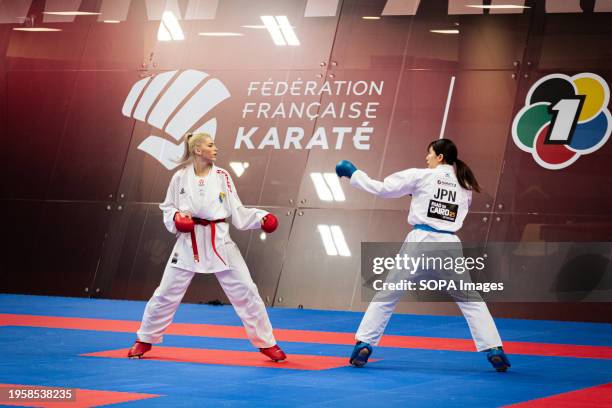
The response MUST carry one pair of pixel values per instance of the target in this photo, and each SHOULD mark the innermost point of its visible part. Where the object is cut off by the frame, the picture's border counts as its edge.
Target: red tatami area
(306, 336)
(82, 398)
(599, 396)
(231, 357)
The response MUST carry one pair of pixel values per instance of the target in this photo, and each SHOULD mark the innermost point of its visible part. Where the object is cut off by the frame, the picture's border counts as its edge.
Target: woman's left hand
(269, 223)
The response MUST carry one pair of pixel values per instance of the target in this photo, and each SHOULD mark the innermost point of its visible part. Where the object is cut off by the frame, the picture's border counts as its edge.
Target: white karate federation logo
(174, 103)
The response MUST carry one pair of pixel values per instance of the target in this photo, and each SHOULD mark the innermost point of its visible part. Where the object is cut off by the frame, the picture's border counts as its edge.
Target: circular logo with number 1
(564, 117)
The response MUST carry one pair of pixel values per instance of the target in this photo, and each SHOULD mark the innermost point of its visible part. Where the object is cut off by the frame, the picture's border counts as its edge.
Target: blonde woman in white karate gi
(200, 199)
(441, 196)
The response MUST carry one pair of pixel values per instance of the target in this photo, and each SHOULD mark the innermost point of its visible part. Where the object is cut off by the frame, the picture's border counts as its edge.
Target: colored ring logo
(564, 117)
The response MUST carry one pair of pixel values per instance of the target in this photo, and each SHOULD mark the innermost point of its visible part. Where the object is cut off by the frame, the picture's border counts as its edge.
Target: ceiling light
(274, 30)
(371, 17)
(444, 31)
(169, 28)
(498, 6)
(71, 13)
(280, 30)
(221, 34)
(36, 29)
(258, 27)
(287, 31)
(112, 21)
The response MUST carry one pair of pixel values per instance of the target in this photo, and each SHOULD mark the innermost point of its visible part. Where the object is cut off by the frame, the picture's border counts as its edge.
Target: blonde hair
(192, 140)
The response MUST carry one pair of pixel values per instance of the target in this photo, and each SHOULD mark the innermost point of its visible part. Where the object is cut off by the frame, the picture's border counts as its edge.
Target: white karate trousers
(479, 319)
(237, 285)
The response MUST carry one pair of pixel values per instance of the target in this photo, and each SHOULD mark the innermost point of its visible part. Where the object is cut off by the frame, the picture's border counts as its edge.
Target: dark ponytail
(448, 150)
(466, 177)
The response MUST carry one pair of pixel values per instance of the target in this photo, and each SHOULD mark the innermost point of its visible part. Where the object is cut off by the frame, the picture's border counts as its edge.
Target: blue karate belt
(425, 227)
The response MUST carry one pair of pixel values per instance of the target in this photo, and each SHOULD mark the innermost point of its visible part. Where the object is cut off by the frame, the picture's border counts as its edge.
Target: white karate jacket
(437, 198)
(217, 200)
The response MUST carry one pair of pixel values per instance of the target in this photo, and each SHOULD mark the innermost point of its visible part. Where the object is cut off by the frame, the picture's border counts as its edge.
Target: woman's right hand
(183, 222)
(182, 214)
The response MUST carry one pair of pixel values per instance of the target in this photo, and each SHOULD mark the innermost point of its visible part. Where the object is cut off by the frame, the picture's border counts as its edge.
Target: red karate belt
(213, 229)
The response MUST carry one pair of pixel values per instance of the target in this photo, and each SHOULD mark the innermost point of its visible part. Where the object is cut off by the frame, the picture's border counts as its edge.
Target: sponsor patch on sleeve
(442, 211)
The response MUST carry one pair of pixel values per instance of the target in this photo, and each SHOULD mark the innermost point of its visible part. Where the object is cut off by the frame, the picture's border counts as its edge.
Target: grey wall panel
(382, 43)
(59, 50)
(266, 253)
(274, 172)
(550, 228)
(255, 48)
(388, 226)
(570, 41)
(18, 244)
(67, 248)
(4, 39)
(122, 251)
(30, 145)
(143, 256)
(95, 139)
(417, 119)
(285, 166)
(481, 42)
(310, 276)
(479, 123)
(107, 49)
(143, 178)
(365, 133)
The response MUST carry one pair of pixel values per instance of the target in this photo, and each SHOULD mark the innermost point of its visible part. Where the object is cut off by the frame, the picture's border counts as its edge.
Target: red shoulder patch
(227, 179)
